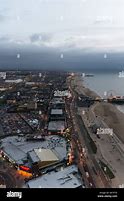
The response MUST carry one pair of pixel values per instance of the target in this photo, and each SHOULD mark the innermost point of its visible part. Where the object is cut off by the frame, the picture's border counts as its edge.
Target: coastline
(109, 113)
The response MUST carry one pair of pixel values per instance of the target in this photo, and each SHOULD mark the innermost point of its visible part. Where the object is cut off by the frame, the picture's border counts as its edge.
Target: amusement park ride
(110, 97)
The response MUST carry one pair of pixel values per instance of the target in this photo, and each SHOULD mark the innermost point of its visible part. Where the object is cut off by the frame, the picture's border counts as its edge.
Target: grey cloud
(103, 19)
(5, 18)
(40, 37)
(4, 39)
(2, 17)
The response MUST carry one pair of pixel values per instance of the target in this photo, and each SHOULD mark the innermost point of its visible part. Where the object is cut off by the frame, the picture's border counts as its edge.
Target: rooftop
(45, 155)
(56, 126)
(56, 112)
(57, 101)
(33, 157)
(18, 148)
(14, 152)
(66, 178)
(14, 81)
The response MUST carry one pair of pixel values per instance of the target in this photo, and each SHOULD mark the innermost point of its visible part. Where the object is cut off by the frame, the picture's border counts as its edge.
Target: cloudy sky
(86, 25)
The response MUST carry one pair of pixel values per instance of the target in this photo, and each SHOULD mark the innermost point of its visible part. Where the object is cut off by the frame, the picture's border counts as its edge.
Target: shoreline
(110, 114)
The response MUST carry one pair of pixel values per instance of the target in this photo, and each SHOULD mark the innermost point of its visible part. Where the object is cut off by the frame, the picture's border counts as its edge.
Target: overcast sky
(86, 25)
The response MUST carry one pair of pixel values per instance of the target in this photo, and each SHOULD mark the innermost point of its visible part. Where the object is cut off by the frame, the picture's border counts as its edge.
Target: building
(66, 178)
(14, 81)
(43, 157)
(14, 154)
(3, 88)
(3, 75)
(57, 103)
(30, 83)
(56, 127)
(26, 154)
(57, 114)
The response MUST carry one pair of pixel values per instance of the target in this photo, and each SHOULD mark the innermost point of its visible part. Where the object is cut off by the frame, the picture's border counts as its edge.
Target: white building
(43, 157)
(17, 149)
(14, 81)
(66, 178)
(3, 75)
(56, 112)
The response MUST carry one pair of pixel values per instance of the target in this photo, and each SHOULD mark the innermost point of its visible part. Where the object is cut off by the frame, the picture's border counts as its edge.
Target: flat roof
(56, 126)
(18, 148)
(14, 81)
(34, 158)
(46, 155)
(56, 112)
(66, 178)
(14, 152)
(57, 101)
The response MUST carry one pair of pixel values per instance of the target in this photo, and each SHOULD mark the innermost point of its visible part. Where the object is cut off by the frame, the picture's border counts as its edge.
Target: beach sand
(107, 111)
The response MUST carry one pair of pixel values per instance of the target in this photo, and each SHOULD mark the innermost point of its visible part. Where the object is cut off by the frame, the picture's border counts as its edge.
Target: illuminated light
(71, 157)
(25, 174)
(24, 168)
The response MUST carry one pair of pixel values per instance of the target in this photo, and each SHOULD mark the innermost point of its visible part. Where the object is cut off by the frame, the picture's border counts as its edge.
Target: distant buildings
(3, 75)
(14, 81)
(57, 100)
(57, 114)
(35, 125)
(42, 157)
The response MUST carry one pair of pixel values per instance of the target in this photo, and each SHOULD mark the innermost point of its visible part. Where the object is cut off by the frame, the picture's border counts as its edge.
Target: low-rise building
(14, 81)
(57, 114)
(23, 153)
(43, 157)
(66, 178)
(56, 127)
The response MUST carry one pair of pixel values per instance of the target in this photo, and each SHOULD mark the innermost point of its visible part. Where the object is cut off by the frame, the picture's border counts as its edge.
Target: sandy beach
(108, 112)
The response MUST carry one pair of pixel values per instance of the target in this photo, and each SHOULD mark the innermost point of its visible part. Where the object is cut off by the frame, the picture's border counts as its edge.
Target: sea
(105, 84)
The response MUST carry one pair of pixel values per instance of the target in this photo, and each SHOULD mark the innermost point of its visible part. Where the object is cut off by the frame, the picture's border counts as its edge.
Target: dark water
(110, 83)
